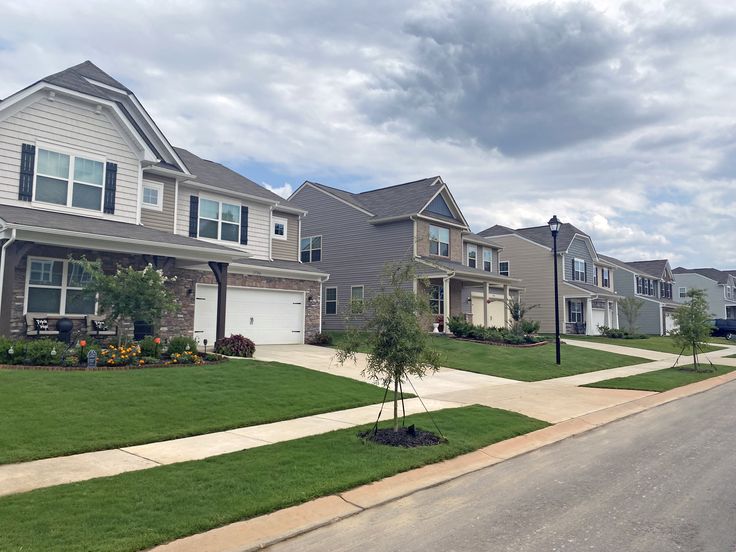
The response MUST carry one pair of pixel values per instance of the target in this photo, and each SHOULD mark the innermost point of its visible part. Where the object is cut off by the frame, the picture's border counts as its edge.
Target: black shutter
(585, 271)
(193, 215)
(111, 176)
(244, 225)
(573, 269)
(27, 162)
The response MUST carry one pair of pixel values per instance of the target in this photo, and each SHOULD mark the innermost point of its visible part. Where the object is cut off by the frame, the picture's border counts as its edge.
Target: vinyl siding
(354, 252)
(259, 226)
(161, 220)
(716, 298)
(288, 249)
(579, 250)
(72, 126)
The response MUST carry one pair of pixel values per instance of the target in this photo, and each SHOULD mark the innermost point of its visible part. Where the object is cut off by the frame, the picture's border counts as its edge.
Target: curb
(260, 532)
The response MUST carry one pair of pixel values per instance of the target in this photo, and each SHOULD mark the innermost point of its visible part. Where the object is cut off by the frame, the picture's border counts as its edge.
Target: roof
(593, 290)
(75, 78)
(475, 238)
(461, 269)
(539, 234)
(718, 276)
(654, 268)
(285, 265)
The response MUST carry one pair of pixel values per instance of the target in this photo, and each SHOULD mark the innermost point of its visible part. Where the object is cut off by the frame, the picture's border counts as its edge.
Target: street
(662, 480)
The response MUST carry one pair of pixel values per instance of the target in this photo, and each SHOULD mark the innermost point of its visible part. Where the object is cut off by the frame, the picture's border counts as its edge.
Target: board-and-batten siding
(259, 226)
(354, 252)
(288, 249)
(72, 126)
(164, 219)
(579, 250)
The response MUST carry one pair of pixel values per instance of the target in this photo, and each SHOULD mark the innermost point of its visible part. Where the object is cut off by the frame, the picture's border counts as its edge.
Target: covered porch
(585, 314)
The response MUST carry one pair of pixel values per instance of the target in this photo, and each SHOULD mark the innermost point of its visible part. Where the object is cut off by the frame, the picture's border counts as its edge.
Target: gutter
(2, 265)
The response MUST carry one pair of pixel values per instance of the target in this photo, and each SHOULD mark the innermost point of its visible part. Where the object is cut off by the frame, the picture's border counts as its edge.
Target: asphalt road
(663, 480)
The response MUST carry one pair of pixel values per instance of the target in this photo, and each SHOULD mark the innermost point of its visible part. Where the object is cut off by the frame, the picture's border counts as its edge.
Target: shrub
(149, 347)
(6, 344)
(40, 352)
(212, 357)
(181, 344)
(235, 345)
(529, 327)
(187, 357)
(70, 360)
(321, 339)
(460, 328)
(617, 333)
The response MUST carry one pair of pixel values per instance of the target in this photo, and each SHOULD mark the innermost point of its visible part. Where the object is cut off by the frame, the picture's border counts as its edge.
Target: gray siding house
(353, 236)
(652, 282)
(586, 289)
(719, 285)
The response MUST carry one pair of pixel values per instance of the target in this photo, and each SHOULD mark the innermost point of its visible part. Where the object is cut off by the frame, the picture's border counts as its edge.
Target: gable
(439, 206)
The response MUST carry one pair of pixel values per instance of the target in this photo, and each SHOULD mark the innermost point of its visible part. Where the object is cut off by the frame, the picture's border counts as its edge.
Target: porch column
(589, 316)
(12, 256)
(506, 299)
(220, 272)
(446, 301)
(485, 305)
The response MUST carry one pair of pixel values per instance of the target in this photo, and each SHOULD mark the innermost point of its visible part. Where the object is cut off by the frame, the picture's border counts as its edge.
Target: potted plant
(439, 324)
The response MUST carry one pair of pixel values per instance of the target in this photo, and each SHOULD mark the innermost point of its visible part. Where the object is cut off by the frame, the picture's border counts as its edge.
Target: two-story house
(84, 170)
(587, 297)
(652, 282)
(719, 285)
(353, 236)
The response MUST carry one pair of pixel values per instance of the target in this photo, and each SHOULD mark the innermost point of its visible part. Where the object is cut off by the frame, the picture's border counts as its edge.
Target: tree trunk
(396, 404)
(695, 357)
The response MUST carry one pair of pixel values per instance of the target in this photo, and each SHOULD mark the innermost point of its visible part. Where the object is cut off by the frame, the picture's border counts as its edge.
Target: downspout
(2, 265)
(321, 298)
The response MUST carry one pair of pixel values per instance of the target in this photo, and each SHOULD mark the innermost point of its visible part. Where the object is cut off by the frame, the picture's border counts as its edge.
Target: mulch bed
(102, 367)
(512, 345)
(407, 437)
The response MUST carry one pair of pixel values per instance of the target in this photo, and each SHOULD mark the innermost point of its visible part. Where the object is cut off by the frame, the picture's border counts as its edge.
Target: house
(84, 170)
(353, 236)
(586, 290)
(719, 285)
(652, 282)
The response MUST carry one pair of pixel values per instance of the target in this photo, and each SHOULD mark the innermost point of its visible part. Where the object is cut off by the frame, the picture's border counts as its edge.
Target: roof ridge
(433, 178)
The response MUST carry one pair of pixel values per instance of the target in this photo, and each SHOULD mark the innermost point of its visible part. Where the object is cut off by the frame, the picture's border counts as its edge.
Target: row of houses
(85, 170)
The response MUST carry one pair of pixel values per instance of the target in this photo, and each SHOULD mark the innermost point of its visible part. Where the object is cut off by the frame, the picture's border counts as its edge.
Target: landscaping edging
(104, 368)
(512, 345)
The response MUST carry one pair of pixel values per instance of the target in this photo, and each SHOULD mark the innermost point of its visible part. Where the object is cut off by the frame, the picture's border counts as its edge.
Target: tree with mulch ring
(398, 347)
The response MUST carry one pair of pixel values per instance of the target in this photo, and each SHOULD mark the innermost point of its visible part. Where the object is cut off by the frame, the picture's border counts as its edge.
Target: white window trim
(581, 313)
(219, 221)
(575, 270)
(73, 154)
(279, 220)
(310, 238)
(360, 301)
(474, 249)
(329, 301)
(605, 277)
(682, 292)
(439, 242)
(64, 287)
(160, 189)
(490, 260)
(508, 268)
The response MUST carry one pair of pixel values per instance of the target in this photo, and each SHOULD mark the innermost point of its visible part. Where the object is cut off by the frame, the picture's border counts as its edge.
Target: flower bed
(495, 336)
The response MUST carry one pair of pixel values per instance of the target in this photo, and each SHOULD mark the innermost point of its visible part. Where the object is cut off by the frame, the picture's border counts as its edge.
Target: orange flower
(157, 341)
(141, 362)
(83, 343)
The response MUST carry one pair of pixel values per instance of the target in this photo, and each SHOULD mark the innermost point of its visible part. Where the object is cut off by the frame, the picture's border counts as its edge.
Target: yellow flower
(141, 362)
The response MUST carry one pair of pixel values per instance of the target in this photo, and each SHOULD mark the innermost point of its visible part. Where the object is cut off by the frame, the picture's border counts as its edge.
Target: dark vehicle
(725, 327)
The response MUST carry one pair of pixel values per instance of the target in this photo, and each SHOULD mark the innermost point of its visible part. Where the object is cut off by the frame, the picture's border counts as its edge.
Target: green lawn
(57, 413)
(137, 510)
(523, 364)
(661, 343)
(661, 380)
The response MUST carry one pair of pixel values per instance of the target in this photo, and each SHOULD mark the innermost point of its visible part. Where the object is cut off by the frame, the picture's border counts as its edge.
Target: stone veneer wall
(179, 323)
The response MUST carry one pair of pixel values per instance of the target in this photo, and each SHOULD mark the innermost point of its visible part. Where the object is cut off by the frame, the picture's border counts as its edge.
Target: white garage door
(265, 316)
(669, 322)
(598, 319)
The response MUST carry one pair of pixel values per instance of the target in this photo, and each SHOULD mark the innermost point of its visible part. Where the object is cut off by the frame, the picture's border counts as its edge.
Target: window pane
(88, 171)
(46, 273)
(444, 235)
(53, 164)
(77, 277)
(331, 294)
(434, 248)
(444, 250)
(317, 242)
(51, 190)
(316, 255)
(331, 308)
(434, 233)
(207, 229)
(150, 196)
(209, 209)
(305, 243)
(230, 232)
(87, 197)
(231, 213)
(356, 293)
(305, 256)
(78, 303)
(44, 300)
(278, 229)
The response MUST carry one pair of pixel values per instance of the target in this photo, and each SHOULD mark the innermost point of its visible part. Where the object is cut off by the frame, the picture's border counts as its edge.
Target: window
(153, 196)
(504, 268)
(437, 300)
(68, 180)
(645, 286)
(728, 292)
(331, 300)
(595, 277)
(219, 221)
(579, 270)
(488, 260)
(55, 287)
(682, 292)
(439, 241)
(356, 299)
(279, 228)
(605, 278)
(576, 312)
(472, 255)
(311, 249)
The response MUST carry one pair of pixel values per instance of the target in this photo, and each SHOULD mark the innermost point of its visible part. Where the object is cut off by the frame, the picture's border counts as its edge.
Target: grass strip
(48, 414)
(138, 510)
(662, 380)
(661, 343)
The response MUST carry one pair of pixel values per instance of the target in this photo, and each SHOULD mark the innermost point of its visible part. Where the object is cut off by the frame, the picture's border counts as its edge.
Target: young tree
(630, 307)
(396, 334)
(518, 311)
(129, 293)
(694, 324)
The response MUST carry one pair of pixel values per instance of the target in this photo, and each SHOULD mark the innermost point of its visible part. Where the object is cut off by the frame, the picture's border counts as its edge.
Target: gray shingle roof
(719, 276)
(75, 77)
(462, 269)
(475, 238)
(595, 290)
(539, 234)
(653, 268)
(287, 265)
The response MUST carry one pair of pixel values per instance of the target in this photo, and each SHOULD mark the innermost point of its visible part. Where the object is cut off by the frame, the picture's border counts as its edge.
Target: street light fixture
(554, 227)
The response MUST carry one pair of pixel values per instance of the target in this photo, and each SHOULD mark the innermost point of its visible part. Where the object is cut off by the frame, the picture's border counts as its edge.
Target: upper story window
(728, 292)
(504, 268)
(439, 241)
(279, 228)
(68, 180)
(665, 290)
(605, 277)
(54, 286)
(579, 272)
(472, 255)
(488, 260)
(682, 292)
(645, 286)
(153, 196)
(311, 249)
(219, 220)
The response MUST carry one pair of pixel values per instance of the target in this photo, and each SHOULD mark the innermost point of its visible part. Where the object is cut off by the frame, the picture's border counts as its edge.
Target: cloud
(284, 191)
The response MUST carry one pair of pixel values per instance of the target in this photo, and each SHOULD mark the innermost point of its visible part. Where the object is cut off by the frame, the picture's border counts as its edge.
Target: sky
(618, 117)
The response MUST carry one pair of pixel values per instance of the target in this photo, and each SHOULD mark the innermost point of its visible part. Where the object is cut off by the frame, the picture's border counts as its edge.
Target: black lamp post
(554, 227)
